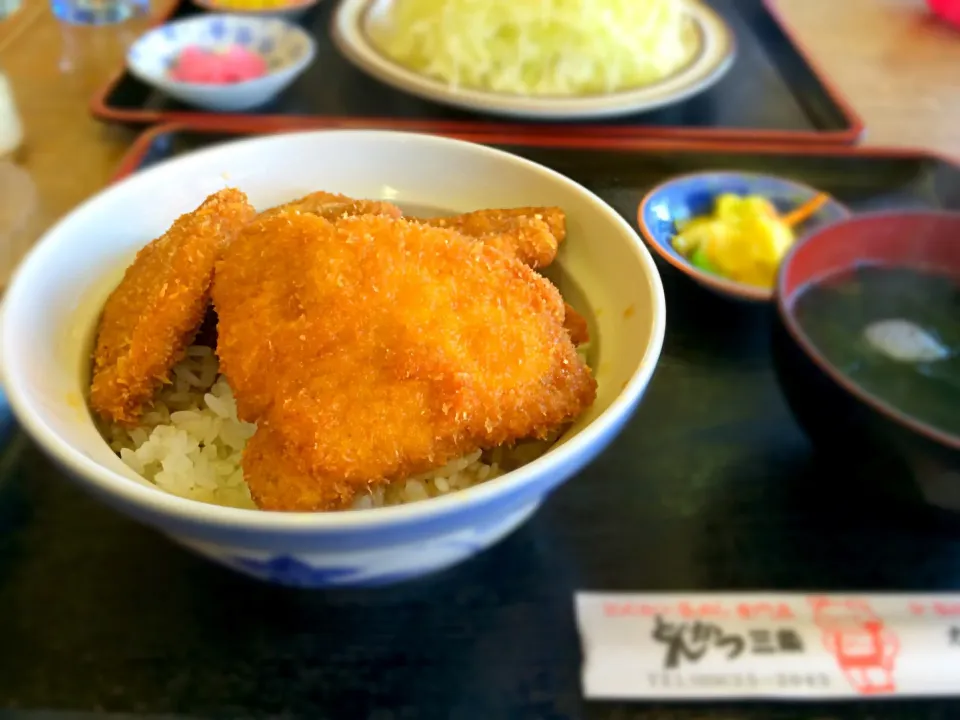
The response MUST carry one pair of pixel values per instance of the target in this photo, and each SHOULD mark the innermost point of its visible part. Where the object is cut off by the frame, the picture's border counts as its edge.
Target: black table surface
(711, 486)
(100, 614)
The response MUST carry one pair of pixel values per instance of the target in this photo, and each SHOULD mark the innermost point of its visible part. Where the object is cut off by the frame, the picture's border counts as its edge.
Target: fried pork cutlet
(331, 206)
(533, 234)
(576, 325)
(376, 348)
(154, 313)
(262, 322)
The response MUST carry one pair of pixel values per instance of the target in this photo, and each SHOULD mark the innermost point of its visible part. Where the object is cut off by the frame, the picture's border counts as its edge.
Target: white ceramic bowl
(52, 306)
(714, 50)
(287, 48)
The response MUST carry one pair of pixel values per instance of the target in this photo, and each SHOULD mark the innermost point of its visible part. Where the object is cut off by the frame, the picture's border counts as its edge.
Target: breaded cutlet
(533, 234)
(154, 313)
(372, 349)
(331, 206)
(576, 325)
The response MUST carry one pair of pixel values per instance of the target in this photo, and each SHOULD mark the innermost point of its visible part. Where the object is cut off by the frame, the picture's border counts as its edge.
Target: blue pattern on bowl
(370, 569)
(289, 571)
(690, 196)
(244, 37)
(367, 559)
(217, 30)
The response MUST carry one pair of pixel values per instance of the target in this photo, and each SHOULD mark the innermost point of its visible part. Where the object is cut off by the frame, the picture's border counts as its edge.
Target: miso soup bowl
(52, 307)
(885, 449)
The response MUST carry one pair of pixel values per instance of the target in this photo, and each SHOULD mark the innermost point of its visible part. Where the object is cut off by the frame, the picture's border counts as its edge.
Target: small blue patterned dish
(287, 49)
(688, 196)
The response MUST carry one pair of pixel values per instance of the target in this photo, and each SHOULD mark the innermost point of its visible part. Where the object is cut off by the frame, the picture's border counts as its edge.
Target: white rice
(190, 443)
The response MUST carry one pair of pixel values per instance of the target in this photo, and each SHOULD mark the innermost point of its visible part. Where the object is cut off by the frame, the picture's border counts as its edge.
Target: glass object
(9, 7)
(98, 12)
(11, 130)
(19, 205)
(19, 201)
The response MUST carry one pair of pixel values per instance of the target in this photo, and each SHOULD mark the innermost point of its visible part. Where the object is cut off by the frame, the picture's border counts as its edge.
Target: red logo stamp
(865, 650)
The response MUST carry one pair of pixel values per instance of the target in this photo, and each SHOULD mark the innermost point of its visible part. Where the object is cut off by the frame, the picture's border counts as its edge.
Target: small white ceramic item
(11, 128)
(53, 304)
(711, 58)
(286, 47)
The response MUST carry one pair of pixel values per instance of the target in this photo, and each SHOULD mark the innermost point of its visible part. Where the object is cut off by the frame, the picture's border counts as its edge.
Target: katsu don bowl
(334, 357)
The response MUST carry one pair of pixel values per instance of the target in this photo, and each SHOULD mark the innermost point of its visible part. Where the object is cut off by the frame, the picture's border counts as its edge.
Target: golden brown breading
(576, 325)
(533, 234)
(155, 312)
(259, 305)
(331, 206)
(372, 348)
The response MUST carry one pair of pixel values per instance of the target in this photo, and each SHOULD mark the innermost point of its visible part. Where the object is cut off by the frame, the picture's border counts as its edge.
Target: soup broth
(895, 332)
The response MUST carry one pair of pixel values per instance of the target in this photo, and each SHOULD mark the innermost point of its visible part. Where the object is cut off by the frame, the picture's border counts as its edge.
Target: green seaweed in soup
(895, 332)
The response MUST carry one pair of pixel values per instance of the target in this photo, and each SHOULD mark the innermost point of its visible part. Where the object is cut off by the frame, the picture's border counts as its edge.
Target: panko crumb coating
(154, 313)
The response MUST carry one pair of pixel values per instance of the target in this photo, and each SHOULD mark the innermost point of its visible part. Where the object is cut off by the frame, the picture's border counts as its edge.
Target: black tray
(773, 93)
(710, 487)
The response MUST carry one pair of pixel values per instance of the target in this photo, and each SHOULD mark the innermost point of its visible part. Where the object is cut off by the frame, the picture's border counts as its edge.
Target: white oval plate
(708, 64)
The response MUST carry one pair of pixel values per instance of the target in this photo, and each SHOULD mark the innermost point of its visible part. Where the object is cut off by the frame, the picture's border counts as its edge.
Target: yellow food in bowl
(253, 5)
(538, 47)
(744, 239)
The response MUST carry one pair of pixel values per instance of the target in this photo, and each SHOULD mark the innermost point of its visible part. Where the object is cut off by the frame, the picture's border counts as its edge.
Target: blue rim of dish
(718, 283)
(804, 342)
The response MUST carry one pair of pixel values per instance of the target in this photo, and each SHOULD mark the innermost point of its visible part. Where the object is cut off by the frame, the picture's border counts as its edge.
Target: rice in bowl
(475, 275)
(190, 443)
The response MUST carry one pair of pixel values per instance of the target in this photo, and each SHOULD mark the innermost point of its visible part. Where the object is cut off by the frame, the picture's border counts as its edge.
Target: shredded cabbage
(537, 47)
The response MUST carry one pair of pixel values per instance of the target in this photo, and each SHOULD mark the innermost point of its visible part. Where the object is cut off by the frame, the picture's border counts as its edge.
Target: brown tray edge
(252, 123)
(132, 159)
